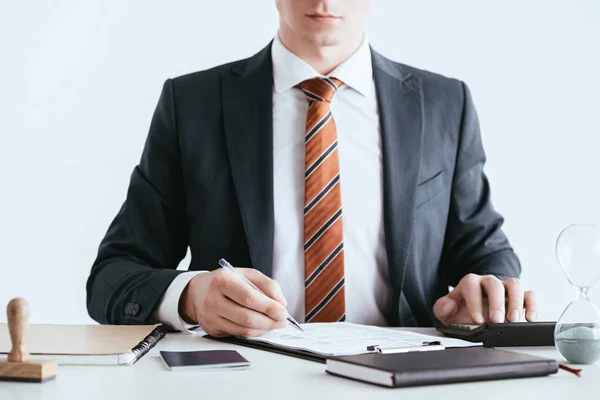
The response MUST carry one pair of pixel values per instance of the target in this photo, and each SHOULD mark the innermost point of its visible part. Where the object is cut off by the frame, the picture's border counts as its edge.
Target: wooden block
(39, 371)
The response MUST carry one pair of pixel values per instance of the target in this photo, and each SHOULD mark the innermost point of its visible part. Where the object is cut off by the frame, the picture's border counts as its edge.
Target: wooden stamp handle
(18, 317)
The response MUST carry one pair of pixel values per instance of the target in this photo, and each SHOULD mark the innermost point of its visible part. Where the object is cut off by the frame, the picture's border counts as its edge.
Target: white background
(80, 80)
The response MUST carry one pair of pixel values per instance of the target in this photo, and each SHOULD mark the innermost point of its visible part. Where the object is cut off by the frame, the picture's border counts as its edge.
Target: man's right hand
(223, 305)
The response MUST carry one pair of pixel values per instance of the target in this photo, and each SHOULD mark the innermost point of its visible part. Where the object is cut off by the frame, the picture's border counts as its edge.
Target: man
(352, 185)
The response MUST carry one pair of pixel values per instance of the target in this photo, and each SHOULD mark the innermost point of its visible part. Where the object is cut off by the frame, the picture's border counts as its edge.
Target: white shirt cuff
(167, 311)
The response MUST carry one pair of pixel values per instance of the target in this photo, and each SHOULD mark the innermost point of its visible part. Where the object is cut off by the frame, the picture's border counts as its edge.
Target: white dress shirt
(354, 109)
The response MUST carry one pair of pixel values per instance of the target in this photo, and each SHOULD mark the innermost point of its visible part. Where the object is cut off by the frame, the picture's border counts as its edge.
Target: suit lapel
(248, 119)
(400, 102)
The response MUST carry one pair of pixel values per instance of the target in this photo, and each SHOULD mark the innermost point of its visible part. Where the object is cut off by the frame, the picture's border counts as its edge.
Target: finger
(494, 289)
(269, 286)
(531, 306)
(515, 299)
(445, 308)
(246, 317)
(216, 333)
(470, 289)
(238, 291)
(234, 329)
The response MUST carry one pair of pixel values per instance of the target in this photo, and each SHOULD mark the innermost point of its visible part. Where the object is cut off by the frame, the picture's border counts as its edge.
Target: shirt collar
(289, 69)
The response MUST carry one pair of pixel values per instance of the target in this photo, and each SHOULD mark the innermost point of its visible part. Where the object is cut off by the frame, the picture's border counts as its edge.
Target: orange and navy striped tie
(323, 239)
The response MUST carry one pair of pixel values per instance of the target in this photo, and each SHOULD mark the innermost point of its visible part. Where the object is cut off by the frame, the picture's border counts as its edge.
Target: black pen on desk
(224, 264)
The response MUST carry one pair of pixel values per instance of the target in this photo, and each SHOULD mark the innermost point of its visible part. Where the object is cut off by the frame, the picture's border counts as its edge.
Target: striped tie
(323, 239)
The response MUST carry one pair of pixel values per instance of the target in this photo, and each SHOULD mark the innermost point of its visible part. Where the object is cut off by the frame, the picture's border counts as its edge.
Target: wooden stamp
(18, 367)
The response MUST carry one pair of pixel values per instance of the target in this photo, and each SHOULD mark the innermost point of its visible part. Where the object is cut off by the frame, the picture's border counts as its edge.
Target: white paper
(344, 338)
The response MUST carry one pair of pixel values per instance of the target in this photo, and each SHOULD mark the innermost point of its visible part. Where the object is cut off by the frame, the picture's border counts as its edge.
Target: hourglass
(577, 332)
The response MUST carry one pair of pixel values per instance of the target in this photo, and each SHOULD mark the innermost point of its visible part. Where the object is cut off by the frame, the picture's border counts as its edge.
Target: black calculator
(509, 334)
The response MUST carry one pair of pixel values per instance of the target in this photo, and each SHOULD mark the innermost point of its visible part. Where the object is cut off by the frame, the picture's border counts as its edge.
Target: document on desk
(344, 338)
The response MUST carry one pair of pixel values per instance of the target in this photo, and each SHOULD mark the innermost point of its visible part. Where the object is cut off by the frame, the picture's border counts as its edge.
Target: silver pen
(224, 264)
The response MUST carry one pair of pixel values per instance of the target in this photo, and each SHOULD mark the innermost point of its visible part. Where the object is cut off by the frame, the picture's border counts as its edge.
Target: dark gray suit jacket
(205, 180)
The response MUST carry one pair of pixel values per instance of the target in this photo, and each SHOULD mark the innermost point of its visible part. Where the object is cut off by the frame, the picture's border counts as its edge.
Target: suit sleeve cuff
(167, 311)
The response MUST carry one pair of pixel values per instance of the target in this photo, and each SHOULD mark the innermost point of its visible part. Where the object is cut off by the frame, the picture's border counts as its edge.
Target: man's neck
(322, 59)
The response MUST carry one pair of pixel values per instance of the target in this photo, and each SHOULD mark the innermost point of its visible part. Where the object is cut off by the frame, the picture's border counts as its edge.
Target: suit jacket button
(132, 309)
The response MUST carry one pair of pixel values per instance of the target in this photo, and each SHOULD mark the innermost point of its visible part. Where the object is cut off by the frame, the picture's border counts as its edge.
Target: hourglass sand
(577, 332)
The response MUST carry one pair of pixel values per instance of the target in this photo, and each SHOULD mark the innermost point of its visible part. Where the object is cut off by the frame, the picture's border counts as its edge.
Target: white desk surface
(274, 376)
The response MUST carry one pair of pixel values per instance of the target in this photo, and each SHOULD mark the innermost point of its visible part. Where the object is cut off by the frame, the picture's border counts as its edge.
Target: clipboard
(307, 355)
(321, 342)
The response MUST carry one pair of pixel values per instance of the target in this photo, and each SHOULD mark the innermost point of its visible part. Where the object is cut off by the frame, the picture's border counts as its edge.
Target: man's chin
(325, 40)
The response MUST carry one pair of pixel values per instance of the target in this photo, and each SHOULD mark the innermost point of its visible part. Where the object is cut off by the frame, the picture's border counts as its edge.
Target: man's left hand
(479, 299)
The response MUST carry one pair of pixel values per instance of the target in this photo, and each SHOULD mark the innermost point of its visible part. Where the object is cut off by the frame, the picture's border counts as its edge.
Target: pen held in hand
(224, 264)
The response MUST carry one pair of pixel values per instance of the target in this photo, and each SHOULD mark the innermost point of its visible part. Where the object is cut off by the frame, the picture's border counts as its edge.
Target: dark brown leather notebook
(437, 367)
